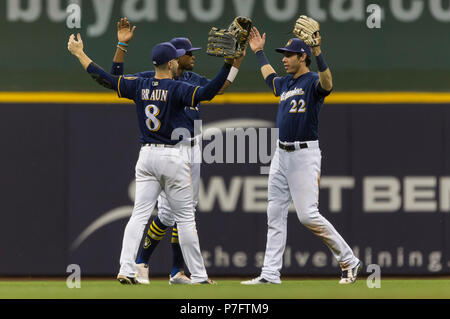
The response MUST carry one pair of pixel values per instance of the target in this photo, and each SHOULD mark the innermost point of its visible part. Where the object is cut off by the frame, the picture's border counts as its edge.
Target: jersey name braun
(156, 95)
(300, 102)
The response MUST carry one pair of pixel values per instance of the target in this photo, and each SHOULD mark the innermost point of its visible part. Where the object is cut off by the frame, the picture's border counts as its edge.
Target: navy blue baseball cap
(183, 43)
(295, 45)
(164, 52)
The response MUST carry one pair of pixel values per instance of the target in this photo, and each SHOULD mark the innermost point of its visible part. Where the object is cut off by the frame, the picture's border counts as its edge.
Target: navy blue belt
(291, 148)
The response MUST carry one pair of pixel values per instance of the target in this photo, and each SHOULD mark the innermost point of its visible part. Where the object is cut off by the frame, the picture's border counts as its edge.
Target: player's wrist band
(321, 64)
(232, 75)
(124, 50)
(262, 59)
(123, 44)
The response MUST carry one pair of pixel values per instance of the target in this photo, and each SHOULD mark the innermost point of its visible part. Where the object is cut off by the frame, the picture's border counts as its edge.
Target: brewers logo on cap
(289, 43)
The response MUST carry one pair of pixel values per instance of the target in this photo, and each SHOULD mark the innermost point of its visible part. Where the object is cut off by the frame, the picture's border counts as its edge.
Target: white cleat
(258, 281)
(349, 276)
(142, 274)
(179, 279)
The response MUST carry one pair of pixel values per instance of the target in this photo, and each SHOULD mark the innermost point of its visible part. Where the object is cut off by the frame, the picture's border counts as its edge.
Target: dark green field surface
(227, 289)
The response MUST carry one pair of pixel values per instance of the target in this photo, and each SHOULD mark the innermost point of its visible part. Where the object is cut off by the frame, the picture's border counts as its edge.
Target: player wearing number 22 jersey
(295, 96)
(295, 167)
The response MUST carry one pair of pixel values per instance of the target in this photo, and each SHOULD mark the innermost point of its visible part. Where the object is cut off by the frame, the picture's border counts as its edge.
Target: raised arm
(124, 35)
(307, 30)
(257, 43)
(98, 74)
(236, 64)
(209, 91)
(77, 49)
(325, 77)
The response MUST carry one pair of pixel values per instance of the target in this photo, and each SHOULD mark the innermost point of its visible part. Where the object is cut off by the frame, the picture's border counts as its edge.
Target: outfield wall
(67, 183)
(361, 57)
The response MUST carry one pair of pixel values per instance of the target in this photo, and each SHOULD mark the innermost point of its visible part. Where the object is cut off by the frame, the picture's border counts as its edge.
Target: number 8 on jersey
(152, 122)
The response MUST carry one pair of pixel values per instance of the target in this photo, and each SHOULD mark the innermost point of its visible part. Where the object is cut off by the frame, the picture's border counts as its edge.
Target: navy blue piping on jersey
(269, 82)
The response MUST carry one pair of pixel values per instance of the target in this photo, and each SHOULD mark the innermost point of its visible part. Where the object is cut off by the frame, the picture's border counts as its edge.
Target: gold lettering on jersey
(297, 91)
(157, 95)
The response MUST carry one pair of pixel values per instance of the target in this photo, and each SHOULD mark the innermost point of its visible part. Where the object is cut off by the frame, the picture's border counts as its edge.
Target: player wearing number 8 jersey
(160, 103)
(164, 219)
(295, 167)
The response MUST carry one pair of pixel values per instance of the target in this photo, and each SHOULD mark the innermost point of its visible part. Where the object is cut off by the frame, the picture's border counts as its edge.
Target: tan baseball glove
(307, 30)
(232, 42)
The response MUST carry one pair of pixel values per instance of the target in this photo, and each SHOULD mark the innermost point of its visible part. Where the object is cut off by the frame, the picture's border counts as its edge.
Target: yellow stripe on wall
(389, 98)
(231, 98)
(62, 97)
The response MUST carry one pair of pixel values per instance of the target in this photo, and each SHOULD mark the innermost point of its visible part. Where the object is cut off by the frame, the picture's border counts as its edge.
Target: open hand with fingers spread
(124, 31)
(256, 41)
(75, 47)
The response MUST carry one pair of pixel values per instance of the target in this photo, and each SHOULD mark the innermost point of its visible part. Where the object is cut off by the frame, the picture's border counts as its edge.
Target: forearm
(208, 92)
(266, 68)
(325, 77)
(225, 86)
(84, 59)
(326, 80)
(119, 56)
(231, 76)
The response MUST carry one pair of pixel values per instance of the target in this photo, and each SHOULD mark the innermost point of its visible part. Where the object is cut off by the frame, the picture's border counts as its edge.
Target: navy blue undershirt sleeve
(117, 68)
(103, 78)
(124, 86)
(270, 81)
(320, 91)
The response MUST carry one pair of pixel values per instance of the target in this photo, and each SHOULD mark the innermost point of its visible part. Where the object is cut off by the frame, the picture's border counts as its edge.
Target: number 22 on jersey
(298, 107)
(152, 122)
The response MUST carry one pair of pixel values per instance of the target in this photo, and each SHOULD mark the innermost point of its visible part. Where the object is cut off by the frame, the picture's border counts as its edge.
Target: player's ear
(301, 57)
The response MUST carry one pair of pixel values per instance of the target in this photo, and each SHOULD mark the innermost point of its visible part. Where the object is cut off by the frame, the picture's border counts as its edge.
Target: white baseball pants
(165, 169)
(295, 176)
(193, 155)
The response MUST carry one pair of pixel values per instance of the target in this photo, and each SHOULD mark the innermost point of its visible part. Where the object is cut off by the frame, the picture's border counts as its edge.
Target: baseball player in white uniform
(295, 168)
